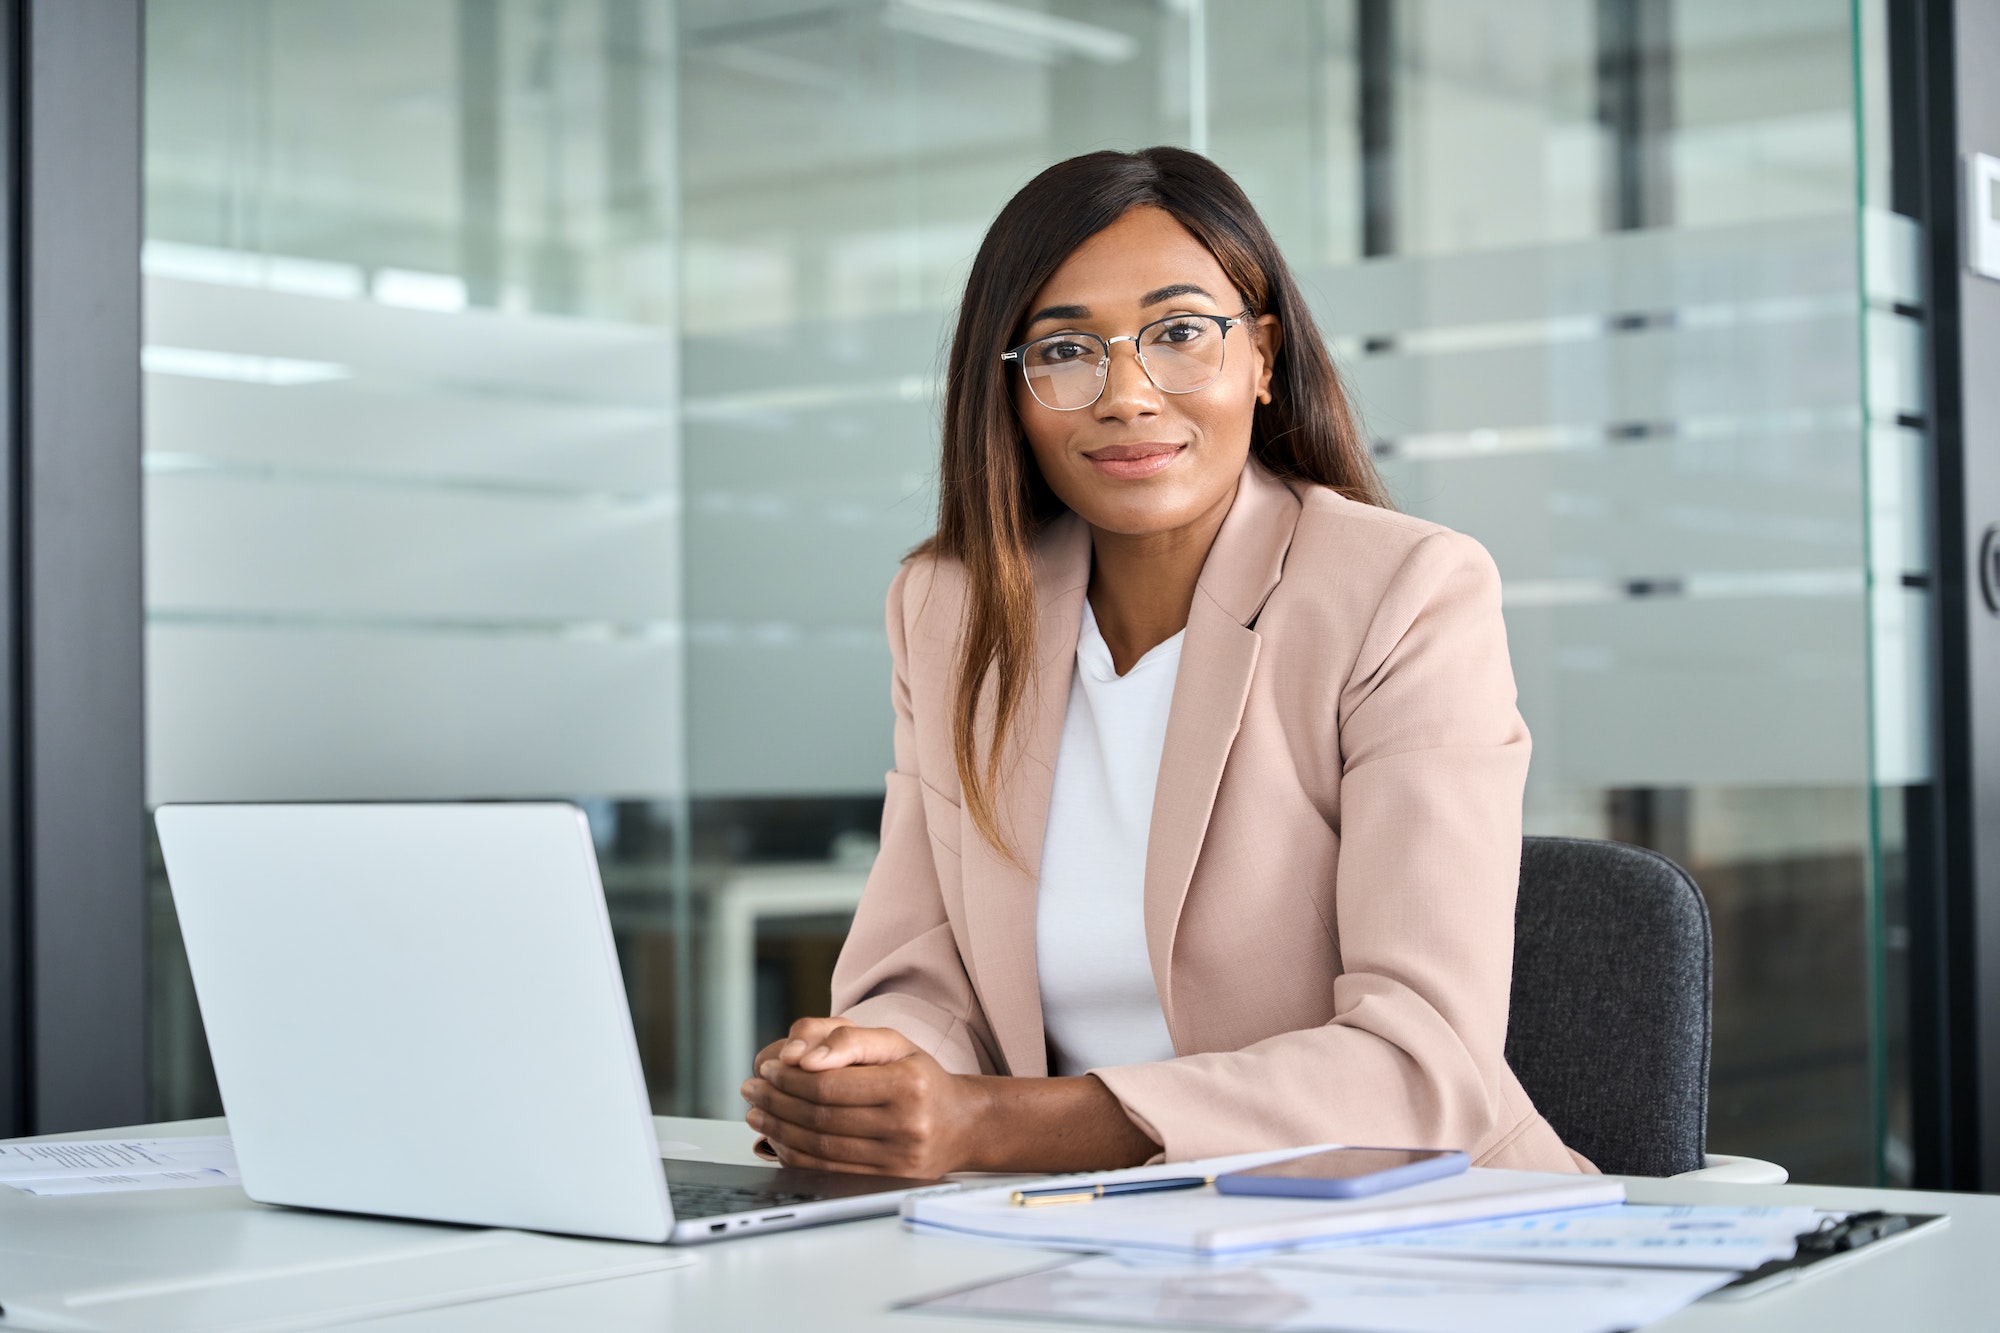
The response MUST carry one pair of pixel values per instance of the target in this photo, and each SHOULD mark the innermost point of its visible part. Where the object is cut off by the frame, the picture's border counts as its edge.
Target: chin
(1140, 509)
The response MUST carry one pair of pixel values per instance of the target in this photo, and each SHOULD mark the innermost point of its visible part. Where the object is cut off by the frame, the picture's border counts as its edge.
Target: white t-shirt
(1099, 1003)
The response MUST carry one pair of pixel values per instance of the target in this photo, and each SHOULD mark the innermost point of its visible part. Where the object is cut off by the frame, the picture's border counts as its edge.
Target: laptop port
(777, 1217)
(718, 1227)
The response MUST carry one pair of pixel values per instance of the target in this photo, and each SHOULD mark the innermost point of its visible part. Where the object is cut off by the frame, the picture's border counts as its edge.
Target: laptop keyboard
(692, 1200)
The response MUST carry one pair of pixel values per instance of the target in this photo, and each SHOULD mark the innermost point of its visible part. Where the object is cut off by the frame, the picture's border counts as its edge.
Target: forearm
(1051, 1125)
(1391, 1072)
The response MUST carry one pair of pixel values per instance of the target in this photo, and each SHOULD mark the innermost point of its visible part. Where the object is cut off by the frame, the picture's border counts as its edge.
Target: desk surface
(843, 1278)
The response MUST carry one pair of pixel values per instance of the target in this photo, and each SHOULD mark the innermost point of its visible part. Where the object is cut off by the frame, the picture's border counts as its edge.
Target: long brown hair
(992, 500)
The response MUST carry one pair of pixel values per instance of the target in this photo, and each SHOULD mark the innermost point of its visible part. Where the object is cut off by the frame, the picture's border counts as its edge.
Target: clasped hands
(840, 1097)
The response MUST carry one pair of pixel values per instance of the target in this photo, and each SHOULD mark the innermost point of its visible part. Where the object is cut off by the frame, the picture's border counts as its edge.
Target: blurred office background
(541, 393)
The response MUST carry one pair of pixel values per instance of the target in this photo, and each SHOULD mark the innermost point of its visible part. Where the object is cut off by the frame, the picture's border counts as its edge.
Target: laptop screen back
(416, 1010)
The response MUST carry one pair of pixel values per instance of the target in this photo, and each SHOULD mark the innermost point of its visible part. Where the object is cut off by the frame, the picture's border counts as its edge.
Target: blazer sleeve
(900, 967)
(1434, 756)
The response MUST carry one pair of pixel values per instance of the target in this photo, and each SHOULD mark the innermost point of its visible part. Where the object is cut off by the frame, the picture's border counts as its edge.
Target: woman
(1204, 828)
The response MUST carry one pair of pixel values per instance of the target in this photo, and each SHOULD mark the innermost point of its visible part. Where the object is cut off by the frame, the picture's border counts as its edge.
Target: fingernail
(744, 1091)
(795, 1043)
(769, 1068)
(821, 1049)
(756, 1118)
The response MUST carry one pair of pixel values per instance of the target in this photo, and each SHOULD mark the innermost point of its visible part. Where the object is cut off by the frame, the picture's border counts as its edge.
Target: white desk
(841, 1279)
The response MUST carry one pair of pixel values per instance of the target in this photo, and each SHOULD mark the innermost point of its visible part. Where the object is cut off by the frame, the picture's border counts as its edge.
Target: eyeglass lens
(1066, 371)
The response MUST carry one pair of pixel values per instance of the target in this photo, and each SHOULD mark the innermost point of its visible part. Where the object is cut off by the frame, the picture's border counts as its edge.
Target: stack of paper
(105, 1166)
(1203, 1223)
(1482, 1252)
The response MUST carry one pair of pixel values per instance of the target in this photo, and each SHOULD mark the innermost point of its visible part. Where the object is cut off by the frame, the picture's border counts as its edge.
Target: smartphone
(1345, 1173)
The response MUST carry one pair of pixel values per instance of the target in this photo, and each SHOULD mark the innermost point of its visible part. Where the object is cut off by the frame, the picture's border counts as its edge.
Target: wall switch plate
(1982, 213)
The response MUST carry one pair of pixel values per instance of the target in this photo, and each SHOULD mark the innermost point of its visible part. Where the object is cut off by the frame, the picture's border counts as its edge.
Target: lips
(1129, 462)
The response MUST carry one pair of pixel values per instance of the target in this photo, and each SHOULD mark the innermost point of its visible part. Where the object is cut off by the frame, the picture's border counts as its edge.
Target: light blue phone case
(1345, 1187)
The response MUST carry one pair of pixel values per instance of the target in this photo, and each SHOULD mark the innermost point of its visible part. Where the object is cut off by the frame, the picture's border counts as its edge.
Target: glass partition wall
(541, 394)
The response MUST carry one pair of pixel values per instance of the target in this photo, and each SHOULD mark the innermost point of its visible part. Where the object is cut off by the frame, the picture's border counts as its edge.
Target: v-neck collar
(1093, 654)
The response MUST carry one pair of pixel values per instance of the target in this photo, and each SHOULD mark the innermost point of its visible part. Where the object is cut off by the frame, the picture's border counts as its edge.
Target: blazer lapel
(1000, 898)
(1218, 658)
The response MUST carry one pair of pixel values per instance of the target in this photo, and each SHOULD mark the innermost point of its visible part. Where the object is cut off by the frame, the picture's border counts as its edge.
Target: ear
(1267, 336)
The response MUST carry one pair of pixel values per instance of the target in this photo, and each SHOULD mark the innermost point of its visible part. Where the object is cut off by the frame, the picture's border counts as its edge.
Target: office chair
(1609, 1025)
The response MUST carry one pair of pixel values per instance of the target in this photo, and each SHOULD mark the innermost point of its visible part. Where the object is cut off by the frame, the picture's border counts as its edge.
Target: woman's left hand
(867, 1100)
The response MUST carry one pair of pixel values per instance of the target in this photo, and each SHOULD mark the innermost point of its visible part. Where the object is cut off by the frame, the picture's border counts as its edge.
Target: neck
(1142, 586)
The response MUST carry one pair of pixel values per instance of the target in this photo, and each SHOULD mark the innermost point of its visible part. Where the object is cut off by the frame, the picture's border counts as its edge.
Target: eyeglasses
(1180, 354)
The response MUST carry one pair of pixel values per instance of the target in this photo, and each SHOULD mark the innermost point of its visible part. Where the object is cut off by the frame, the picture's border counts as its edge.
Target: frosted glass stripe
(703, 633)
(650, 631)
(1557, 330)
(1487, 442)
(1709, 586)
(1656, 269)
(182, 465)
(240, 714)
(370, 427)
(723, 407)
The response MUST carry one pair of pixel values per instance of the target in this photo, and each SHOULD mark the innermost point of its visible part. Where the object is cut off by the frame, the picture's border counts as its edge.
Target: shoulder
(923, 579)
(926, 605)
(1360, 581)
(935, 588)
(1368, 550)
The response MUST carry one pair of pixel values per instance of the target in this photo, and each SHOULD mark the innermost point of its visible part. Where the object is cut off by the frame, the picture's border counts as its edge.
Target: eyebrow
(1170, 291)
(1154, 297)
(1060, 312)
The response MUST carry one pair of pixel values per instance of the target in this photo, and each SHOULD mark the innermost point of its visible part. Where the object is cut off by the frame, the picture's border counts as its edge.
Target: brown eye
(1056, 351)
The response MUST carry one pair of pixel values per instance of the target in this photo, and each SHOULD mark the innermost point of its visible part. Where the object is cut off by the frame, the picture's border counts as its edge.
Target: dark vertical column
(1948, 109)
(1635, 107)
(76, 433)
(16, 1075)
(479, 148)
(1941, 1129)
(1969, 601)
(1375, 117)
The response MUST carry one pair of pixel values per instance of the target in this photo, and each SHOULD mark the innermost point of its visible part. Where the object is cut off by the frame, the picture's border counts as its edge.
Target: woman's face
(1139, 461)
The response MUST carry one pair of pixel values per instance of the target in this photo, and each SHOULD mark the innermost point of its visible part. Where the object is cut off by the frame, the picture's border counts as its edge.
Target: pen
(1085, 1193)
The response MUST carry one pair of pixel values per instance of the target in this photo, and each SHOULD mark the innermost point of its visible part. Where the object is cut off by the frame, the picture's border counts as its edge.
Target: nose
(1129, 393)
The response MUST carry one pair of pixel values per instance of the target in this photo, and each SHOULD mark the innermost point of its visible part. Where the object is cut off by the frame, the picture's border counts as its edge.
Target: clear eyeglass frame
(1018, 355)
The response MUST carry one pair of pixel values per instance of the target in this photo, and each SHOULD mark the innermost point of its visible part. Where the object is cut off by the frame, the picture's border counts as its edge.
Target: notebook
(1202, 1223)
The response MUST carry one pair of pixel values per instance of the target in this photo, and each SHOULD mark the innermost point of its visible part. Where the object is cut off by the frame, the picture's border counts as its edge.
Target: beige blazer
(1335, 844)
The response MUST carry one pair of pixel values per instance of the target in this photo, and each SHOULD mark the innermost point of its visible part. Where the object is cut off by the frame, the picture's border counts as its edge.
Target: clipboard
(1827, 1248)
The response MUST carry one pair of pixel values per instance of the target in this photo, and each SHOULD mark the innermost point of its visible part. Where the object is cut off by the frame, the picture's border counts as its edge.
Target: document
(110, 1166)
(1633, 1235)
(1340, 1290)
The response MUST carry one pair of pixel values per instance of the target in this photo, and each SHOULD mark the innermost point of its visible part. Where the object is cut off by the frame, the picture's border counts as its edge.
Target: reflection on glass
(541, 394)
(413, 490)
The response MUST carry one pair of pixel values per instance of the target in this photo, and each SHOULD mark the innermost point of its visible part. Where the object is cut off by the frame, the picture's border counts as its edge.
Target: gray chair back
(1609, 1026)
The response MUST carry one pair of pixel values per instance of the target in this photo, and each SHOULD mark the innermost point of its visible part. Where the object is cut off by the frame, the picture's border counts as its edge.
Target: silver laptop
(416, 1011)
